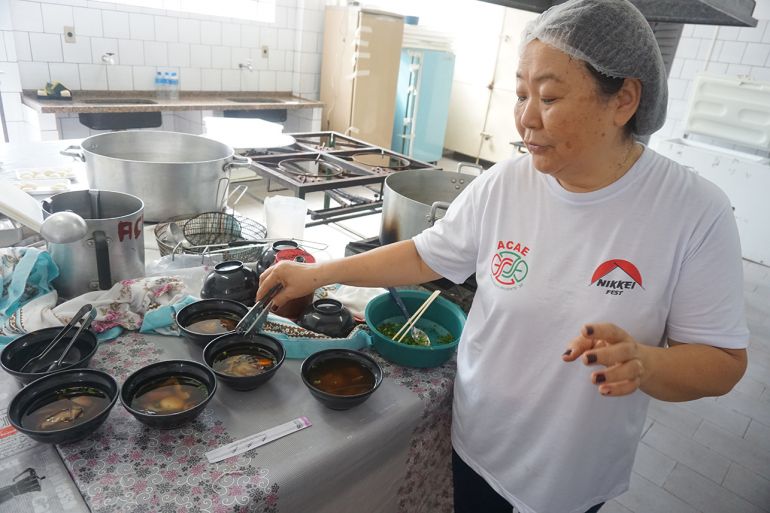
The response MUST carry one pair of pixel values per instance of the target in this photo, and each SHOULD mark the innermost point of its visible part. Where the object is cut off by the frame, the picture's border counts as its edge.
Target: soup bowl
(443, 321)
(20, 350)
(203, 321)
(243, 362)
(341, 378)
(167, 394)
(64, 406)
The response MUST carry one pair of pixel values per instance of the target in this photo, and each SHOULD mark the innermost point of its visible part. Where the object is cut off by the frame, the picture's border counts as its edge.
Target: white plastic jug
(285, 217)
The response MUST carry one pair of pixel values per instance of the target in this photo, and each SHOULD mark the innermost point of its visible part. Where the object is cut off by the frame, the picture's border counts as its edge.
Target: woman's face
(564, 121)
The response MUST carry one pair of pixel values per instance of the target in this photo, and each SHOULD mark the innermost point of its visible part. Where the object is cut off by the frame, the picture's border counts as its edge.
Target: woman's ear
(627, 100)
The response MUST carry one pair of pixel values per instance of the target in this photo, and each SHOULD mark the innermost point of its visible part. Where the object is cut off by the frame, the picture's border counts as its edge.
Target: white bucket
(285, 217)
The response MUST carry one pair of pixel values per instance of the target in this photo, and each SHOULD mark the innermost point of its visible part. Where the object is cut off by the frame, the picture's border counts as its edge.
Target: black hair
(609, 86)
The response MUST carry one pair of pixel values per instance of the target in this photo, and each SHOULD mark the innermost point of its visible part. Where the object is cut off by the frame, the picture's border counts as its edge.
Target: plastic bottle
(166, 85)
(173, 88)
(159, 85)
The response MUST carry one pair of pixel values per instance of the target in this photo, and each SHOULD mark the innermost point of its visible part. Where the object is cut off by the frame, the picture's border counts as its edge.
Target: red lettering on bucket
(138, 227)
(125, 229)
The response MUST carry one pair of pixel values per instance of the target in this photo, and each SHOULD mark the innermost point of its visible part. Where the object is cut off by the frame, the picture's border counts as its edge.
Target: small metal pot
(175, 174)
(412, 201)
(113, 248)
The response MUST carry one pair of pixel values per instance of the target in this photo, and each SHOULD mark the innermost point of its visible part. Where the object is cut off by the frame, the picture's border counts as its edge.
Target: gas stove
(334, 164)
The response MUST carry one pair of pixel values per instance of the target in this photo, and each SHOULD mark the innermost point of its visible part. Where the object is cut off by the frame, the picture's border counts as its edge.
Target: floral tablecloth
(128, 467)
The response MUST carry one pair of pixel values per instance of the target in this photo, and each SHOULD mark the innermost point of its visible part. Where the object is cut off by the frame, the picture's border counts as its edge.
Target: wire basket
(209, 232)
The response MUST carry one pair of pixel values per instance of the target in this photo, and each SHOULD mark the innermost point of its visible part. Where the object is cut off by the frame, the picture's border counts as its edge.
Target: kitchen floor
(711, 455)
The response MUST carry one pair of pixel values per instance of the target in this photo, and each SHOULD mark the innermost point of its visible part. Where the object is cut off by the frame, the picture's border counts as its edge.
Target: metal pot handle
(461, 165)
(223, 201)
(102, 260)
(238, 161)
(433, 208)
(240, 190)
(74, 151)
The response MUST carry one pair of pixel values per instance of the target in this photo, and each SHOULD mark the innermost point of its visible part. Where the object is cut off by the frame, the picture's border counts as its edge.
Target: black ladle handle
(80, 313)
(83, 326)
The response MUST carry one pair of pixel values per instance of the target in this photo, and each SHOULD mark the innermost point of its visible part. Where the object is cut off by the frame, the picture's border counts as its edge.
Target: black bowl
(167, 369)
(231, 280)
(268, 257)
(20, 350)
(237, 343)
(207, 306)
(338, 401)
(328, 316)
(47, 386)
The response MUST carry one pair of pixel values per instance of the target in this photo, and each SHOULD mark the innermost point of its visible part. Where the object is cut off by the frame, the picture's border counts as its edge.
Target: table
(391, 453)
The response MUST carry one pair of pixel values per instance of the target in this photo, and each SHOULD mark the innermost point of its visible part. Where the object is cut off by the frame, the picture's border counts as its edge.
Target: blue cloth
(161, 320)
(27, 273)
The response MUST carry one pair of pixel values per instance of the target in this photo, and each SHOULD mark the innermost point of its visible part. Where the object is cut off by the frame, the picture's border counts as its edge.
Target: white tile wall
(729, 51)
(204, 50)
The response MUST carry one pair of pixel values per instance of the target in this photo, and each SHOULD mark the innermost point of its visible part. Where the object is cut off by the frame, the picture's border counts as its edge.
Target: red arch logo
(610, 265)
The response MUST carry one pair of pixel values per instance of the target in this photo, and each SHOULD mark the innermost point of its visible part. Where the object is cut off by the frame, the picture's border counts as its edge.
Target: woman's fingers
(577, 346)
(606, 344)
(620, 379)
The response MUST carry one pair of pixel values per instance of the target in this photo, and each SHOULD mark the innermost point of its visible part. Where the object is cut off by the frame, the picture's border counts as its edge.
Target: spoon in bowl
(416, 333)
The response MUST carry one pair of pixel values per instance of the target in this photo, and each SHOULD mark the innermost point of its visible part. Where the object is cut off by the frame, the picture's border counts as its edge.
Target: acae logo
(508, 265)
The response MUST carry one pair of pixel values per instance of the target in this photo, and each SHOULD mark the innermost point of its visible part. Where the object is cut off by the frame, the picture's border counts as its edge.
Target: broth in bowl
(167, 395)
(212, 323)
(341, 376)
(65, 408)
(244, 361)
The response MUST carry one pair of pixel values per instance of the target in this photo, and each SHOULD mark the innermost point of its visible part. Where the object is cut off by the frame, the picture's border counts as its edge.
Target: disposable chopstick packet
(258, 439)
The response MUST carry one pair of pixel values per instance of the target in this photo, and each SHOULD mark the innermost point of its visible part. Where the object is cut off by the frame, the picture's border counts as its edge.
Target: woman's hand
(298, 280)
(608, 345)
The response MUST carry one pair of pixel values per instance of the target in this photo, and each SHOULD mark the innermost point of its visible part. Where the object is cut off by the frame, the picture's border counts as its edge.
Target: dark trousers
(473, 495)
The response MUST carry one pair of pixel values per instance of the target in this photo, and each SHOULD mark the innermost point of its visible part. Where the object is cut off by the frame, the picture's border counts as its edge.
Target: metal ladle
(63, 228)
(417, 334)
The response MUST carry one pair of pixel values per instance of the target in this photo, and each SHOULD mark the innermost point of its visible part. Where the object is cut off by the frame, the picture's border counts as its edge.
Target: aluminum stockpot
(413, 200)
(175, 174)
(113, 248)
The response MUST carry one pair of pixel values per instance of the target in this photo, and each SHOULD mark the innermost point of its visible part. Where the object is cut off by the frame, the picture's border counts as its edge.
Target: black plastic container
(19, 351)
(238, 343)
(36, 391)
(329, 317)
(334, 401)
(167, 369)
(231, 280)
(207, 306)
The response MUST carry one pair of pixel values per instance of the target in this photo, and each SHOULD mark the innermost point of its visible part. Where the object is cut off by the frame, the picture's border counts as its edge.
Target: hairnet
(613, 37)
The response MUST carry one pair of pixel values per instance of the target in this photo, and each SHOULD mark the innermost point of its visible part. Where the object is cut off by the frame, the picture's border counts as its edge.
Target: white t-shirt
(656, 252)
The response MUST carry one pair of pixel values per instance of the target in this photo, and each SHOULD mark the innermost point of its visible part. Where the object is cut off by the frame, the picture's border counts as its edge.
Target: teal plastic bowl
(442, 317)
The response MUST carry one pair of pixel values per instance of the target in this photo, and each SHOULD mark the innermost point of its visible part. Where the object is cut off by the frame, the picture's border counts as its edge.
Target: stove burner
(381, 160)
(329, 142)
(310, 168)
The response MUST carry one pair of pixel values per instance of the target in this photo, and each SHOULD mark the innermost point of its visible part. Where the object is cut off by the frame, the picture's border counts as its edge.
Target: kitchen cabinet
(481, 122)
(359, 70)
(422, 101)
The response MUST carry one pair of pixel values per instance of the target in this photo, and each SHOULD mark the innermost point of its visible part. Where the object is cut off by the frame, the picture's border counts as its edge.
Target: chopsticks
(407, 327)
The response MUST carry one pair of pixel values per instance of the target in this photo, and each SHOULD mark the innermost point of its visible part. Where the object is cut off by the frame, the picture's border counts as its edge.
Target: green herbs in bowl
(389, 329)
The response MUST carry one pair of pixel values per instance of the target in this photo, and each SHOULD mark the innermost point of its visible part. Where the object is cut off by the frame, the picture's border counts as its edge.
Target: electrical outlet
(69, 34)
(265, 52)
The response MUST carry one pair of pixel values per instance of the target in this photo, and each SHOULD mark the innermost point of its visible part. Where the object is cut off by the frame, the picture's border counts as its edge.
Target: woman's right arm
(387, 266)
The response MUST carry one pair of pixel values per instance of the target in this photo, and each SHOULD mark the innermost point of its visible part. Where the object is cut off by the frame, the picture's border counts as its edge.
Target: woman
(606, 274)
